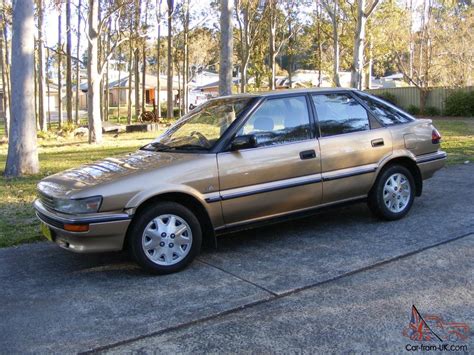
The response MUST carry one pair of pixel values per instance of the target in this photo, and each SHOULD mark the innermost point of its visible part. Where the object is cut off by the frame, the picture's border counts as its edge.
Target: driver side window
(279, 121)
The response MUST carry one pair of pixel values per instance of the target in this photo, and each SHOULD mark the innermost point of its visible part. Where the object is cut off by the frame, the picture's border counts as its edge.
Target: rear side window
(339, 114)
(387, 114)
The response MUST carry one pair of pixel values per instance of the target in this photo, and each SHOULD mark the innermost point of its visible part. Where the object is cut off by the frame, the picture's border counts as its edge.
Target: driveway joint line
(275, 296)
(238, 277)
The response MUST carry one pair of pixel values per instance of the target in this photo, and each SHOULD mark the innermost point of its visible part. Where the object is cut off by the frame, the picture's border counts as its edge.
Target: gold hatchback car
(238, 161)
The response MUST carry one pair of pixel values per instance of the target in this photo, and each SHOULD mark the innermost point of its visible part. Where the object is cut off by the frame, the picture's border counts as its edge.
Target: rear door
(352, 144)
(281, 174)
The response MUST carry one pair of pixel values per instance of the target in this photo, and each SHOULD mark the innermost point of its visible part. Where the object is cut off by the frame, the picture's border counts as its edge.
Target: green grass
(17, 220)
(458, 138)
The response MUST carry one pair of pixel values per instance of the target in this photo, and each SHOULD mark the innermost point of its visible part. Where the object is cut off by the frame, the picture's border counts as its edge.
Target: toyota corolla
(236, 162)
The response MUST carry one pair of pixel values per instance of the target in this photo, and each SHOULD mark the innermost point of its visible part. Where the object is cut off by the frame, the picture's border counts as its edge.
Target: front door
(352, 145)
(281, 174)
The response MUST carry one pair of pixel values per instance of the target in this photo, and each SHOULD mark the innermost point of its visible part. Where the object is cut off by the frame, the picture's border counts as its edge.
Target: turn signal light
(76, 227)
(435, 136)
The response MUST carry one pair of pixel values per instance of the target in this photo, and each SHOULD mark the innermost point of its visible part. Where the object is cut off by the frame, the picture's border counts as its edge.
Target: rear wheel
(393, 193)
(165, 238)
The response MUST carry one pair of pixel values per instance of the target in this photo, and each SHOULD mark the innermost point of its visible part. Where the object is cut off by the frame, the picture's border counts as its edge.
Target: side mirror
(243, 142)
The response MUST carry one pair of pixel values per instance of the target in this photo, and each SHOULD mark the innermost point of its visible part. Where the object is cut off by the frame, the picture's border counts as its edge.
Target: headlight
(83, 205)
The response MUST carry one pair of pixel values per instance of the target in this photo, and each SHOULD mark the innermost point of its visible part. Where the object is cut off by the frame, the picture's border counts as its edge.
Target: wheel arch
(408, 163)
(188, 201)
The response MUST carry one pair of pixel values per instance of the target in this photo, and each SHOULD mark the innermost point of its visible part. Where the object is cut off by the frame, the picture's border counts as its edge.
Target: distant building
(118, 91)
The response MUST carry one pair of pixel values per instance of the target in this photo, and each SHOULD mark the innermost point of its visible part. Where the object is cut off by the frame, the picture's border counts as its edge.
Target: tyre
(165, 238)
(393, 193)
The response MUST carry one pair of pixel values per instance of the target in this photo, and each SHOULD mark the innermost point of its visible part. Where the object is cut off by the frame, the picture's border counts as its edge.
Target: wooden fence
(410, 96)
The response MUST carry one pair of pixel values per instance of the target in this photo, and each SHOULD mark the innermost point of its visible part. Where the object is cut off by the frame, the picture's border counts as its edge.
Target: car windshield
(201, 128)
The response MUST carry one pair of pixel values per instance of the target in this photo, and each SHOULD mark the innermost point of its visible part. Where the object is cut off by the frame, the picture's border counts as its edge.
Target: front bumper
(106, 230)
(430, 163)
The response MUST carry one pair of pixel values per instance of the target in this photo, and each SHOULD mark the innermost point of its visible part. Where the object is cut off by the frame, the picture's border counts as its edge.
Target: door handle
(308, 154)
(377, 142)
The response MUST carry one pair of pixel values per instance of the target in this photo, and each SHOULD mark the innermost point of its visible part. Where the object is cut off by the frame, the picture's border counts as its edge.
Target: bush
(164, 112)
(432, 111)
(459, 103)
(388, 97)
(413, 110)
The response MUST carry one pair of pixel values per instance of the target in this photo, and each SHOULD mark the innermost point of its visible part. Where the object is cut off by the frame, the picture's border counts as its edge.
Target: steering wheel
(202, 139)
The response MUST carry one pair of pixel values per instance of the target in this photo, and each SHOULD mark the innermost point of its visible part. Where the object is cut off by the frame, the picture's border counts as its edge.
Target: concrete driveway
(334, 282)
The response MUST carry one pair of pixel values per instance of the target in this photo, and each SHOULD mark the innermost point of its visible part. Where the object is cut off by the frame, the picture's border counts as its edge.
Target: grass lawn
(18, 223)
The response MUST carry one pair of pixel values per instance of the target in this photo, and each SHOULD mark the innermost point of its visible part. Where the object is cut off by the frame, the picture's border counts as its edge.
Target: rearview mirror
(244, 142)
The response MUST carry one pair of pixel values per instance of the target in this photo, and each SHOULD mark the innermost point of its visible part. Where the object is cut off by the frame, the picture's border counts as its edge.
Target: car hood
(68, 182)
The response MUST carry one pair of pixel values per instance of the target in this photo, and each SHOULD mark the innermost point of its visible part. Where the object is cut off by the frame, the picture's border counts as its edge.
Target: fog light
(76, 227)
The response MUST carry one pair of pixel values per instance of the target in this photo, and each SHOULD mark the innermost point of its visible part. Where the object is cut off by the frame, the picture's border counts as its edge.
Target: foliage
(413, 110)
(460, 103)
(387, 96)
(432, 111)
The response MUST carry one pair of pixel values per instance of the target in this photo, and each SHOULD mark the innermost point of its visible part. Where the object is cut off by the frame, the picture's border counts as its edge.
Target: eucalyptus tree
(78, 65)
(41, 68)
(169, 81)
(68, 62)
(226, 48)
(248, 14)
(4, 67)
(22, 158)
(364, 9)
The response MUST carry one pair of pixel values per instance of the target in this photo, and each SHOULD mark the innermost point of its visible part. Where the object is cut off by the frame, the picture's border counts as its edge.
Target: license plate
(46, 231)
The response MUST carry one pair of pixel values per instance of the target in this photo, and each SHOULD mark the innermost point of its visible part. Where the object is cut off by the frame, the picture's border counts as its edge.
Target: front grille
(50, 221)
(46, 200)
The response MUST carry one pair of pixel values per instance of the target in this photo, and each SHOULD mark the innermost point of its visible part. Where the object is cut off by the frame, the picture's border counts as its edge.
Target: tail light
(435, 136)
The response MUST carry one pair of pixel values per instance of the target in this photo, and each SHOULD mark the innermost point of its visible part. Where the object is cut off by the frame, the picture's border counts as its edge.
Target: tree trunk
(93, 92)
(272, 43)
(130, 75)
(158, 61)
(41, 70)
(78, 65)
(136, 55)
(22, 156)
(68, 63)
(60, 88)
(169, 81)
(105, 114)
(48, 91)
(119, 86)
(184, 96)
(335, 36)
(143, 96)
(143, 102)
(359, 40)
(3, 68)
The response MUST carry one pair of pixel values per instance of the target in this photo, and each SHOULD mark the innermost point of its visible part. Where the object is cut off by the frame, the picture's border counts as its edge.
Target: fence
(410, 96)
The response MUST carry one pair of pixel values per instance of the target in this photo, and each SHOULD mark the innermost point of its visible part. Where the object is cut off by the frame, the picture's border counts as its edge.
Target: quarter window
(279, 121)
(339, 114)
(387, 114)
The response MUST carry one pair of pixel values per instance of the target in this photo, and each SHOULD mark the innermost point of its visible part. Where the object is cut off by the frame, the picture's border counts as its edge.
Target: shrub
(459, 103)
(432, 111)
(413, 110)
(387, 96)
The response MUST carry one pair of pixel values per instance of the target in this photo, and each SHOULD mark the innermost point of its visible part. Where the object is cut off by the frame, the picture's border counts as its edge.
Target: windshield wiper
(189, 147)
(157, 146)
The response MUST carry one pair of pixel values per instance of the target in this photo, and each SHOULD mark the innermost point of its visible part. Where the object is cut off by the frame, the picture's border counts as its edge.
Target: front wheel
(393, 193)
(165, 238)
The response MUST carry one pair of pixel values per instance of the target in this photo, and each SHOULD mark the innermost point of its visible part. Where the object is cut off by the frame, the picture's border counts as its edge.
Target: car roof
(289, 91)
